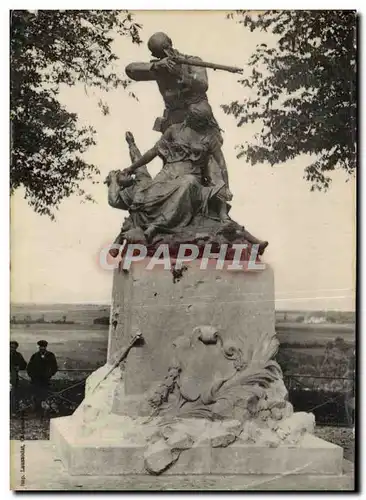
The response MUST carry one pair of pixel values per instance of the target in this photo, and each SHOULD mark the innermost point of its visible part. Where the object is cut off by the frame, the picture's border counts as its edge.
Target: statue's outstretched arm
(140, 71)
(144, 160)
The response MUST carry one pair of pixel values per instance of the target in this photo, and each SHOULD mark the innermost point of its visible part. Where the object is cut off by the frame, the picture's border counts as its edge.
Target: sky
(311, 235)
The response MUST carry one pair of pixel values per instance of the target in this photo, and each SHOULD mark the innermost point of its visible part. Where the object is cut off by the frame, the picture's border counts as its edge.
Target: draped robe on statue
(177, 194)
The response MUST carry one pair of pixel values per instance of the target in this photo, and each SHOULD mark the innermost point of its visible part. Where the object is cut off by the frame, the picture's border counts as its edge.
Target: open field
(83, 314)
(75, 346)
(312, 334)
(85, 346)
(80, 344)
(86, 313)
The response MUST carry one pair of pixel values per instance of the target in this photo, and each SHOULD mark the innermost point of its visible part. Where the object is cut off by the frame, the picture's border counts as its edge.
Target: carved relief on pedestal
(246, 402)
(251, 388)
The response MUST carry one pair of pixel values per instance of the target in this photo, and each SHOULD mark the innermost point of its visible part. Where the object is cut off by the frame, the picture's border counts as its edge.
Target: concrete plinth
(112, 452)
(46, 472)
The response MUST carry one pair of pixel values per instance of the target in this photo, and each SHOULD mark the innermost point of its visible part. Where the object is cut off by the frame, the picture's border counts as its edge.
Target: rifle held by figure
(203, 64)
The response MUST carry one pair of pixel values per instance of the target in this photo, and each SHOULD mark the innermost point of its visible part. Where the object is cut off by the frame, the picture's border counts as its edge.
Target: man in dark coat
(41, 367)
(17, 362)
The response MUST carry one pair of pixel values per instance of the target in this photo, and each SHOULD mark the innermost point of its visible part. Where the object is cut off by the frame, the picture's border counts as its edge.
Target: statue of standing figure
(190, 195)
(180, 85)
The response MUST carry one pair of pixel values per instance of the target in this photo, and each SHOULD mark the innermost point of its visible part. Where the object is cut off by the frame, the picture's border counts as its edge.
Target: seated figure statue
(183, 198)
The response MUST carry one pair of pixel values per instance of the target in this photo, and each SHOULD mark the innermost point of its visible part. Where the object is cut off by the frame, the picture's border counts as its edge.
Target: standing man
(17, 362)
(180, 85)
(41, 368)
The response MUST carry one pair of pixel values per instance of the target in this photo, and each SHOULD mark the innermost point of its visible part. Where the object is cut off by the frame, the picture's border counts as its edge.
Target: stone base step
(115, 455)
(45, 472)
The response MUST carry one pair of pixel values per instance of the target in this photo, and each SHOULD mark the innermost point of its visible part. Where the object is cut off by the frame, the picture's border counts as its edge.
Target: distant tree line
(27, 320)
(104, 320)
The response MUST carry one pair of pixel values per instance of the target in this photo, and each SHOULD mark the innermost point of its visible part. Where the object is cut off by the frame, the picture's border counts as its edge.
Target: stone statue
(181, 86)
(182, 199)
(190, 195)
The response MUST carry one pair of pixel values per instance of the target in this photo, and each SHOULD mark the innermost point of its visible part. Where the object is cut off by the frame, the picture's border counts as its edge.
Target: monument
(190, 386)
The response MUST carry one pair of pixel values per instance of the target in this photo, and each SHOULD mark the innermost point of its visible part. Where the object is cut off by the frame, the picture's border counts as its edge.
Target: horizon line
(101, 303)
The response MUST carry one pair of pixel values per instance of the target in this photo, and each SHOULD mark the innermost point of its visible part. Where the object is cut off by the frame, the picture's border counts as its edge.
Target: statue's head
(158, 44)
(124, 180)
(200, 116)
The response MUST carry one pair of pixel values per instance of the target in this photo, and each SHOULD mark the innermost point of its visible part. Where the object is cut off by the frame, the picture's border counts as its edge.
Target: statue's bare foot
(262, 246)
(130, 138)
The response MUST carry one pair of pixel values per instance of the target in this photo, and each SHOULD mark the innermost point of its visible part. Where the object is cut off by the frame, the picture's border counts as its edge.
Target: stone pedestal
(202, 395)
(164, 306)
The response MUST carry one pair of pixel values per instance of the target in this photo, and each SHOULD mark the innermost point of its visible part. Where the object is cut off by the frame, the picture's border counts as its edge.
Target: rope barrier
(291, 378)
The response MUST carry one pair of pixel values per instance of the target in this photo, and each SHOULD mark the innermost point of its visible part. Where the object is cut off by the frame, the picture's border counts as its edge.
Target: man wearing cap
(181, 86)
(17, 362)
(41, 367)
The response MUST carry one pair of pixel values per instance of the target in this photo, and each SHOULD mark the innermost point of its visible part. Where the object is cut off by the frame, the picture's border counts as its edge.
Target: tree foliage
(48, 49)
(302, 91)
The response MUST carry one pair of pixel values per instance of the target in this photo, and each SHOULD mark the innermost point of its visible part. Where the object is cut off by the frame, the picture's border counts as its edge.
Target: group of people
(41, 367)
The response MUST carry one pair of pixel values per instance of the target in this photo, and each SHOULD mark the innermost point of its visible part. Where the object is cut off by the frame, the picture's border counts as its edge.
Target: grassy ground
(342, 436)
